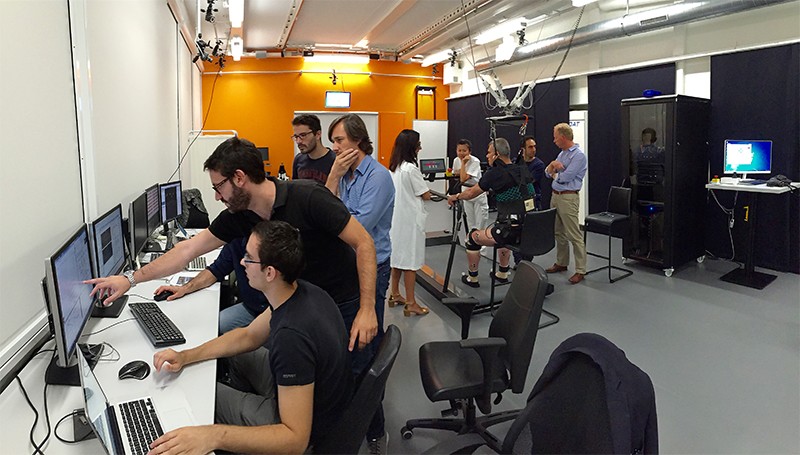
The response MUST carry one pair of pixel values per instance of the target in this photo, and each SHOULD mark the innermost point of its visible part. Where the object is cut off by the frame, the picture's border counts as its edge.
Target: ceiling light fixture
(362, 44)
(506, 50)
(338, 58)
(236, 12)
(498, 31)
(237, 47)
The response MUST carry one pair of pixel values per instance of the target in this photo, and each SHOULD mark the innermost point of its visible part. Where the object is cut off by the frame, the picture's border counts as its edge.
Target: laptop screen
(97, 408)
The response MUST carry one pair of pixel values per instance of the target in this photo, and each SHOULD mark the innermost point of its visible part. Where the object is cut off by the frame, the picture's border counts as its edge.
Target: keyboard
(752, 182)
(197, 264)
(158, 327)
(141, 424)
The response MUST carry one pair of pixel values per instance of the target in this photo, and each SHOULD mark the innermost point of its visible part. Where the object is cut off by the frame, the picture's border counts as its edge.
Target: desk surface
(763, 188)
(196, 315)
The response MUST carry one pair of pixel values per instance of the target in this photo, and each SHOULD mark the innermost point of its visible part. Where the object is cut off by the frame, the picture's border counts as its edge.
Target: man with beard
(315, 160)
(340, 252)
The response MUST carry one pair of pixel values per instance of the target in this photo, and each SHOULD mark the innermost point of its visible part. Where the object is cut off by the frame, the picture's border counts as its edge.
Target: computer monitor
(337, 99)
(68, 302)
(747, 157)
(153, 209)
(137, 223)
(108, 246)
(171, 200)
(433, 166)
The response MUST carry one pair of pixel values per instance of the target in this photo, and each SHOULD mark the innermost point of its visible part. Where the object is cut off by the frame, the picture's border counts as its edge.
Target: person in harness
(512, 185)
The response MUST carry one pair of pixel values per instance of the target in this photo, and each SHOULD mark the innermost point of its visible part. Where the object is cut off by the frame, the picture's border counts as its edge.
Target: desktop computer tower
(665, 161)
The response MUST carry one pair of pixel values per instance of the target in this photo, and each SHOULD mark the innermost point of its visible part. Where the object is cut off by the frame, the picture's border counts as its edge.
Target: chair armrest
(464, 308)
(488, 349)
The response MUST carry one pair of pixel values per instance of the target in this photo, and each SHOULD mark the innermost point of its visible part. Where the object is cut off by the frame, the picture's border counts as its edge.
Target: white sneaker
(378, 446)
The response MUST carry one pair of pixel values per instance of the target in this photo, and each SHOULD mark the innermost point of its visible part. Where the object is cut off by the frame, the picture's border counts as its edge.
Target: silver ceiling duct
(631, 24)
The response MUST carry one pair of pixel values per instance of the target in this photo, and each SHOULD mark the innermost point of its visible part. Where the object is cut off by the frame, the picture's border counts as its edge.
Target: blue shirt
(229, 260)
(571, 178)
(368, 193)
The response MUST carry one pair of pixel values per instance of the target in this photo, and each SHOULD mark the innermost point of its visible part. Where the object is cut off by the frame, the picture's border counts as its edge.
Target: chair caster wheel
(701, 259)
(668, 272)
(406, 433)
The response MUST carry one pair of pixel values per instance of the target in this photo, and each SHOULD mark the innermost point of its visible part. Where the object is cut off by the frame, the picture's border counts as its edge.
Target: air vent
(654, 20)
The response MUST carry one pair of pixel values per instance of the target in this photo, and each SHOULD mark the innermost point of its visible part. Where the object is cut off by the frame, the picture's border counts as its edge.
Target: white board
(579, 124)
(433, 135)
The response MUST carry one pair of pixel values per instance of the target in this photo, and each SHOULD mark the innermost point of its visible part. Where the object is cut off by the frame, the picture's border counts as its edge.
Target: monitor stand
(110, 311)
(70, 375)
(152, 246)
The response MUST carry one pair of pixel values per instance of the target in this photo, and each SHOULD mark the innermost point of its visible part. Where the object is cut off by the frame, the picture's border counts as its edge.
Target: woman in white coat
(408, 221)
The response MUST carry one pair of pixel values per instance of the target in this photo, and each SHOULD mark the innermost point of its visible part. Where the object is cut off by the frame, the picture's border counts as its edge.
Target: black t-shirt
(500, 177)
(303, 167)
(308, 344)
(321, 217)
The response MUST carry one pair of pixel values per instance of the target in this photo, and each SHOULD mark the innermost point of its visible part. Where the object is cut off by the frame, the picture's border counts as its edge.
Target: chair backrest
(517, 321)
(346, 436)
(619, 200)
(568, 415)
(195, 214)
(538, 232)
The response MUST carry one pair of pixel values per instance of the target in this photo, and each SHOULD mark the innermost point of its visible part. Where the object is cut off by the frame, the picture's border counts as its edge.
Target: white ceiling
(402, 28)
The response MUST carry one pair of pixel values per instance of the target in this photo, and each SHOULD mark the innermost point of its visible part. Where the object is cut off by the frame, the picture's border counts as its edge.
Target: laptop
(117, 426)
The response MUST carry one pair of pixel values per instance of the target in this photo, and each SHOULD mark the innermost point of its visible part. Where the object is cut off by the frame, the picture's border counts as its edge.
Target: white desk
(747, 276)
(196, 315)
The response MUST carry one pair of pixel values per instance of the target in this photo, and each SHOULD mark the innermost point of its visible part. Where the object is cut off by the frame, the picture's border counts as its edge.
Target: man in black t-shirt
(298, 386)
(340, 253)
(315, 160)
(512, 185)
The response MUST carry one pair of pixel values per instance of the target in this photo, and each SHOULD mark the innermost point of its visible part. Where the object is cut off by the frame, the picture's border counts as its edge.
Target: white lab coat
(408, 219)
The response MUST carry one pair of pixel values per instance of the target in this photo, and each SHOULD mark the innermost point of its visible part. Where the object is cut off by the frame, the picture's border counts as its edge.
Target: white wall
(63, 164)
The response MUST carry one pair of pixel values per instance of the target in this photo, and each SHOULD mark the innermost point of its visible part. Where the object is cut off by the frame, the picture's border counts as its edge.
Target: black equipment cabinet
(665, 160)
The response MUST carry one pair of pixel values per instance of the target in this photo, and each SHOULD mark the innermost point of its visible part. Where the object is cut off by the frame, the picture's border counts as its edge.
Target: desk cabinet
(665, 161)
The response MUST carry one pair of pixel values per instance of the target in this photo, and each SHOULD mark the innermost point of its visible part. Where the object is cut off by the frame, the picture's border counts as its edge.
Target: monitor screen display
(137, 223)
(337, 99)
(109, 243)
(432, 166)
(748, 157)
(153, 209)
(69, 299)
(171, 200)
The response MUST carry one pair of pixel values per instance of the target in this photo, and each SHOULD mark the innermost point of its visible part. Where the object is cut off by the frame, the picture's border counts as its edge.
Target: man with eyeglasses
(315, 160)
(340, 254)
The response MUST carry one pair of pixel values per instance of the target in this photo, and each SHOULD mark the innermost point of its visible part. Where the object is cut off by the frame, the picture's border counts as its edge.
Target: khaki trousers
(568, 230)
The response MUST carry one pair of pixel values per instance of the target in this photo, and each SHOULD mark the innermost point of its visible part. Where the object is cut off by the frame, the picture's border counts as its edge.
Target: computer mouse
(138, 369)
(162, 295)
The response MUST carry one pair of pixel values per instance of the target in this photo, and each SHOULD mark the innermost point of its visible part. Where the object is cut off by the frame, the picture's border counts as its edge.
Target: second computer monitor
(153, 209)
(171, 200)
(137, 223)
(748, 157)
(109, 243)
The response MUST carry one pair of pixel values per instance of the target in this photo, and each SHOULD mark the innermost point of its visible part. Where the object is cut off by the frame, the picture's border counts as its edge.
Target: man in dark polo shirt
(285, 397)
(340, 254)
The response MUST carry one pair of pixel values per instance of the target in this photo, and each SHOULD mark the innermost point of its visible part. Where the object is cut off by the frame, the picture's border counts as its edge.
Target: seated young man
(287, 396)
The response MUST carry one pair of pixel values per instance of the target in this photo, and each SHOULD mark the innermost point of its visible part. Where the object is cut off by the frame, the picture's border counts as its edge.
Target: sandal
(395, 300)
(407, 311)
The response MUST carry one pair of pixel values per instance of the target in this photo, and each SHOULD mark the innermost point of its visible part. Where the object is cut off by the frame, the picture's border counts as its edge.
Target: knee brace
(471, 245)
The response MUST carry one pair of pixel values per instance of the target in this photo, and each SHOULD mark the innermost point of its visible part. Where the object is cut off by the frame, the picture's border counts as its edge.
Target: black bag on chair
(195, 215)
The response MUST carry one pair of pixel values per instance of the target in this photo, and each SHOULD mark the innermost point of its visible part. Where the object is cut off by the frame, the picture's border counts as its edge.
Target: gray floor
(724, 359)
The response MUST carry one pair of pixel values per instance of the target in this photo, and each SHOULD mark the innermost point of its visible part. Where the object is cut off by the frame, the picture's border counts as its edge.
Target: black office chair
(589, 399)
(537, 238)
(195, 214)
(468, 372)
(350, 430)
(614, 222)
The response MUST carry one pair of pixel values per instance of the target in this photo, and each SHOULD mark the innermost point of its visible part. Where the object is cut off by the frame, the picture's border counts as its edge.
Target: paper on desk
(181, 278)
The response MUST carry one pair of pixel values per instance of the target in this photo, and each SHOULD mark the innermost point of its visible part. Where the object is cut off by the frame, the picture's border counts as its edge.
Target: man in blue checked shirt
(365, 186)
(567, 172)
(251, 302)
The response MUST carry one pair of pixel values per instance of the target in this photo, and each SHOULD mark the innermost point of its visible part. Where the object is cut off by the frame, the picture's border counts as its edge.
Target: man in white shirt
(468, 170)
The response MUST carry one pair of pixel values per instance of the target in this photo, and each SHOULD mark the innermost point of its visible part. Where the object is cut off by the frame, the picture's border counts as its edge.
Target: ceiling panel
(337, 21)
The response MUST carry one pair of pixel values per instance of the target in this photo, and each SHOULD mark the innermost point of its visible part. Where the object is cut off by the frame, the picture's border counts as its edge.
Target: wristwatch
(129, 275)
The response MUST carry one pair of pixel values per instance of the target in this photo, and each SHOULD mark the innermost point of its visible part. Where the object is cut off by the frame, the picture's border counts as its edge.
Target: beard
(240, 200)
(308, 148)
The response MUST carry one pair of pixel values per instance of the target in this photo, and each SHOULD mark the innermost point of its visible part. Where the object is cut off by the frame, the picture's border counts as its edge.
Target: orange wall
(261, 106)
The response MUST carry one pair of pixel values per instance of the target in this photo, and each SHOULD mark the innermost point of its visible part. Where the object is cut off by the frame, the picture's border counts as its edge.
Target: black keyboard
(141, 424)
(158, 327)
(752, 182)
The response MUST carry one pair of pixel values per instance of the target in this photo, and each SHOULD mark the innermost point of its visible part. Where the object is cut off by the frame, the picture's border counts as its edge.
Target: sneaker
(378, 446)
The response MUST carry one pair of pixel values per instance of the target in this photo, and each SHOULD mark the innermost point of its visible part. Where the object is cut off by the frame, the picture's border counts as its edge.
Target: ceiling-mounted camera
(210, 10)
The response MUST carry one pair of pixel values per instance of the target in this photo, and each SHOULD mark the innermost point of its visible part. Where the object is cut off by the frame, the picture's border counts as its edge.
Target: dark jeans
(361, 359)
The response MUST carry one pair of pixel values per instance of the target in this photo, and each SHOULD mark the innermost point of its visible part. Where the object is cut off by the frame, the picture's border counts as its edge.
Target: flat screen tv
(337, 99)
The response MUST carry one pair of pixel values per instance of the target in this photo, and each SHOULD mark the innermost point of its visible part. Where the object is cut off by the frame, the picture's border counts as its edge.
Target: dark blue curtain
(756, 95)
(605, 93)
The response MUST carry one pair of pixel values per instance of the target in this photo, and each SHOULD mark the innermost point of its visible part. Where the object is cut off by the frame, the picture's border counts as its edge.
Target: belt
(565, 192)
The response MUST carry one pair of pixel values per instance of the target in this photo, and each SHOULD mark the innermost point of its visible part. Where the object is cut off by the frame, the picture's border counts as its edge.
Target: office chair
(589, 399)
(537, 238)
(468, 372)
(350, 430)
(195, 214)
(614, 222)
